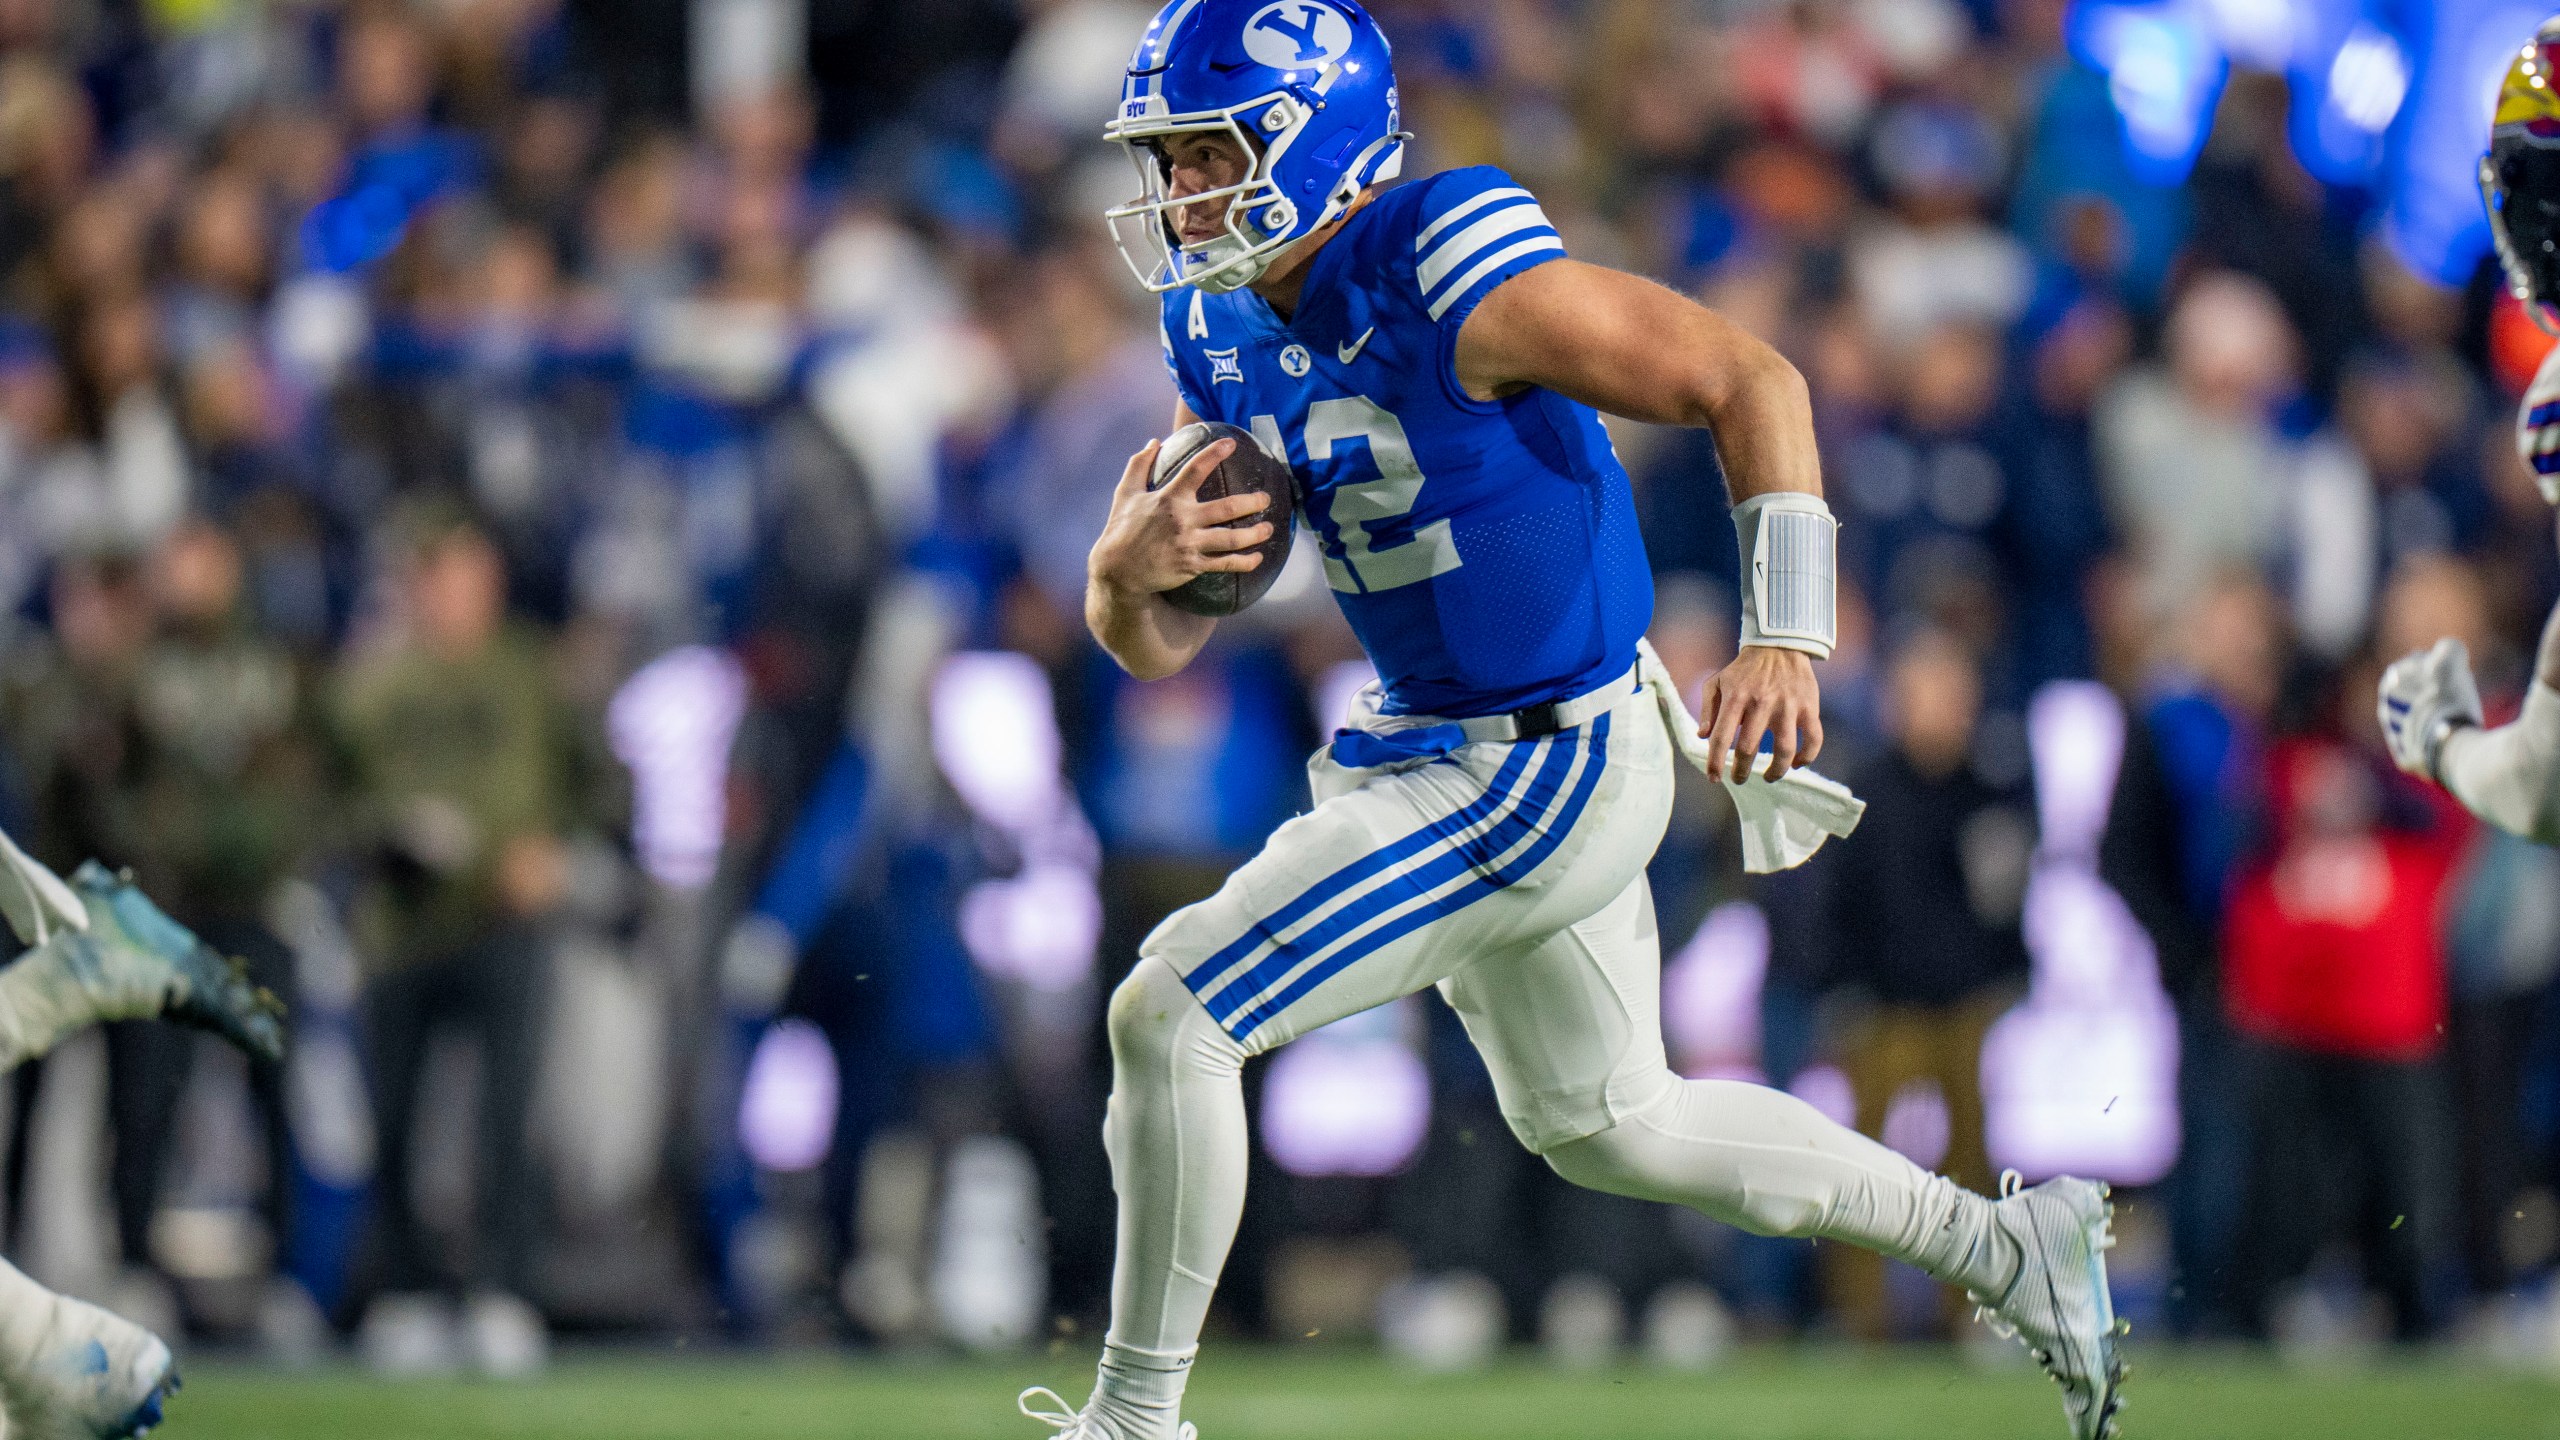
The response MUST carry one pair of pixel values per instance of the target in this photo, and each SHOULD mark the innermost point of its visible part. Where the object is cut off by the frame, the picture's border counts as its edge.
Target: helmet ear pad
(2528, 182)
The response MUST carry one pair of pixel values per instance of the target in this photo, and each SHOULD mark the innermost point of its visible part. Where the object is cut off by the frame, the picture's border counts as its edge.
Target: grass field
(1314, 1395)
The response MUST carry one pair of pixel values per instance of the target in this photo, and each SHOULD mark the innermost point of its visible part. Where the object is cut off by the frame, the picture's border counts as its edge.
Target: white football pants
(1511, 874)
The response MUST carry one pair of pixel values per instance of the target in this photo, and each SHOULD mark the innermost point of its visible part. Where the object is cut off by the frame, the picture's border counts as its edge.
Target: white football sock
(1768, 1162)
(1177, 1141)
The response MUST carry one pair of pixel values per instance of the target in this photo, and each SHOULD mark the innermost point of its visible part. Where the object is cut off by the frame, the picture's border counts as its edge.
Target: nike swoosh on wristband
(1345, 354)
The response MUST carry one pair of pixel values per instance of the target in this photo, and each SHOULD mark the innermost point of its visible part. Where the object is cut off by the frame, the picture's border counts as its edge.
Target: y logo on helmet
(1296, 35)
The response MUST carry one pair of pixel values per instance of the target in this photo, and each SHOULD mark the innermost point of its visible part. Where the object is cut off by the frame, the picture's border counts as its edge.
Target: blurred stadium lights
(2392, 98)
(787, 1110)
(672, 723)
(2075, 740)
(2164, 68)
(2460, 49)
(1917, 1126)
(1334, 692)
(1350, 1099)
(2082, 1077)
(2350, 82)
(995, 737)
(1711, 995)
(2259, 34)
(1039, 927)
(1826, 1088)
(2368, 78)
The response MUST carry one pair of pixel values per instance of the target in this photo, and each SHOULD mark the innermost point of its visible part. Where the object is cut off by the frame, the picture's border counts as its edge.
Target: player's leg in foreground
(120, 958)
(100, 950)
(1516, 875)
(71, 1371)
(2032, 1261)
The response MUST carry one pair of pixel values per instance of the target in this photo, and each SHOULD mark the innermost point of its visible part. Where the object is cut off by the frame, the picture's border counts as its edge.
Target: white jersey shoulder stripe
(1472, 205)
(1153, 55)
(1467, 282)
(1454, 254)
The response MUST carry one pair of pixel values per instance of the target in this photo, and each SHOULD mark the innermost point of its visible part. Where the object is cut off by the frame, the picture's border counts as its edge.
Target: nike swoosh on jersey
(1345, 354)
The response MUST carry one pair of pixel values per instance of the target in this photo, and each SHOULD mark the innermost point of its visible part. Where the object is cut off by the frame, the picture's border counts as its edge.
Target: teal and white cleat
(92, 1375)
(135, 963)
(1076, 1425)
(2059, 1305)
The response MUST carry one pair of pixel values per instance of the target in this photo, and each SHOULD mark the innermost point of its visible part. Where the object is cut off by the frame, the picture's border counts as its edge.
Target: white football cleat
(1076, 1425)
(93, 1375)
(2059, 1306)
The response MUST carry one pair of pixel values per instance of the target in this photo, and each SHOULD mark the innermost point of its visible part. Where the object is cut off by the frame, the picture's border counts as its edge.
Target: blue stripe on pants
(1480, 851)
(1449, 904)
(1267, 929)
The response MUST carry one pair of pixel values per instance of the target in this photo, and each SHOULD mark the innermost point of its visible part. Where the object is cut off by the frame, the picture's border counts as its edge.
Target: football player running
(98, 950)
(2430, 706)
(1432, 366)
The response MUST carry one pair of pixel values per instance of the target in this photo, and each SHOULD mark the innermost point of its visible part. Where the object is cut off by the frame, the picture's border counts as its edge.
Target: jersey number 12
(1353, 507)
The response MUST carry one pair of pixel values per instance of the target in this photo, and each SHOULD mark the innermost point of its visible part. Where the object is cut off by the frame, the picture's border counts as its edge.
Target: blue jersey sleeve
(1183, 384)
(1474, 229)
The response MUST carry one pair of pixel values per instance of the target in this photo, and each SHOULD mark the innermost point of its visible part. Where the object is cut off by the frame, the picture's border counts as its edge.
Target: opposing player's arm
(1154, 541)
(2509, 776)
(1628, 346)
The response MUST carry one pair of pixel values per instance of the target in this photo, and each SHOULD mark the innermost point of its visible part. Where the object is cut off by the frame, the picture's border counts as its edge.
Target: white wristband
(1790, 579)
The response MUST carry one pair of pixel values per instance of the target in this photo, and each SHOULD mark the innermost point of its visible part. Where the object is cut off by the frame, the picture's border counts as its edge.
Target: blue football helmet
(1306, 87)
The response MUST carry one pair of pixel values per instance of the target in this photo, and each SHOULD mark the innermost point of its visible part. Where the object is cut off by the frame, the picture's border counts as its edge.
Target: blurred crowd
(555, 529)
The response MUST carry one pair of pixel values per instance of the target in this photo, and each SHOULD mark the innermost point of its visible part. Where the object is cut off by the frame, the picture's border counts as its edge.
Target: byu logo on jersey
(1296, 35)
(1223, 365)
(1296, 361)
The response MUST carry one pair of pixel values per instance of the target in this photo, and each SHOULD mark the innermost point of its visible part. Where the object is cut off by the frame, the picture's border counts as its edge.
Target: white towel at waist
(1783, 822)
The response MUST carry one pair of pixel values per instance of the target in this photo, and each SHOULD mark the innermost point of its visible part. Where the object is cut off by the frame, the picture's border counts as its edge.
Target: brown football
(1249, 471)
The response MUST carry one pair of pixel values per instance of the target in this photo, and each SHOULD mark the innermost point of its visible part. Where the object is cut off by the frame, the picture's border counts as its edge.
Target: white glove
(2538, 427)
(2426, 696)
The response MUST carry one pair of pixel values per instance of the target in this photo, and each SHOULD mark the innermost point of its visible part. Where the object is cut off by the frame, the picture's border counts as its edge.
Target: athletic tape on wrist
(1790, 577)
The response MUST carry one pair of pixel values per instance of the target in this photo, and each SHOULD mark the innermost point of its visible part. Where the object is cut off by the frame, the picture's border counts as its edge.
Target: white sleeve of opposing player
(2538, 427)
(2510, 776)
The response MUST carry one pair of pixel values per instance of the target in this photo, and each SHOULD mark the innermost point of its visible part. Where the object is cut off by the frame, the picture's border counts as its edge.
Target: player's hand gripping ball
(1245, 471)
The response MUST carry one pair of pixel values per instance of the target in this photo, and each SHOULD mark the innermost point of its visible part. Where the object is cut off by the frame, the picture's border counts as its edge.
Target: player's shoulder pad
(1473, 229)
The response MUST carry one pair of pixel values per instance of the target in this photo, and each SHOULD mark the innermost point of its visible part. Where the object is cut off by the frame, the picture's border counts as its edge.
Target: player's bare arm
(1154, 541)
(1627, 346)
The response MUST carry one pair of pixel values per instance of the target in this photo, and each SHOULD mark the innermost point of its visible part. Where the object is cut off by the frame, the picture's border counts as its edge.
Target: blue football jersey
(1485, 552)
